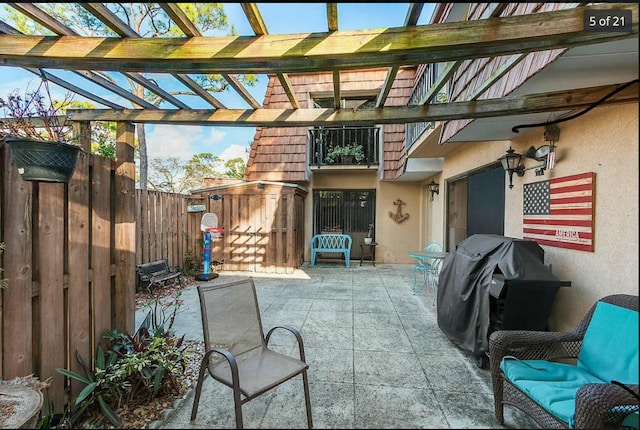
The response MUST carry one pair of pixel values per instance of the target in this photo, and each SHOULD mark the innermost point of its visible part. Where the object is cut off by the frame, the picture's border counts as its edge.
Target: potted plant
(369, 238)
(345, 154)
(37, 137)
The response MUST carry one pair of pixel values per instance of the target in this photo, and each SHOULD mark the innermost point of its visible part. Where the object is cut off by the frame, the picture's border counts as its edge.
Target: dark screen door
(485, 207)
(475, 204)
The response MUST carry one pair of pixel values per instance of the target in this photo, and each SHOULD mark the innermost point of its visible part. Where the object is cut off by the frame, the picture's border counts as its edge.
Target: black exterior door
(344, 211)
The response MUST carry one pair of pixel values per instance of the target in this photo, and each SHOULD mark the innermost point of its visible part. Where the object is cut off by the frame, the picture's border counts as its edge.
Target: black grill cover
(465, 278)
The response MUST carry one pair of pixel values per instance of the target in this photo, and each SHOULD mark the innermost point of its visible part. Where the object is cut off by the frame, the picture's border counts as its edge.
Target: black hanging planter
(44, 161)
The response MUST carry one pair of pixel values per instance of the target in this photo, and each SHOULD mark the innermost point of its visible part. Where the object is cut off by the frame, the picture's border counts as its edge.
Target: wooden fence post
(17, 311)
(125, 229)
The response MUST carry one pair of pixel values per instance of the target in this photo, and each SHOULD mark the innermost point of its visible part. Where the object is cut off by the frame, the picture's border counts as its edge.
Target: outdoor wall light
(512, 161)
(434, 187)
(545, 154)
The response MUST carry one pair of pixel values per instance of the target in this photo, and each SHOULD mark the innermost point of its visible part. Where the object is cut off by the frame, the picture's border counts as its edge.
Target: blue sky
(230, 142)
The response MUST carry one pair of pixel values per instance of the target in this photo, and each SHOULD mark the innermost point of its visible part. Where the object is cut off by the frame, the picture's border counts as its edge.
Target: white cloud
(184, 141)
(235, 151)
(216, 135)
(173, 141)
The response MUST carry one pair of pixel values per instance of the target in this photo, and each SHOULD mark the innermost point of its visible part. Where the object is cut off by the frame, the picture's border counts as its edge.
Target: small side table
(369, 251)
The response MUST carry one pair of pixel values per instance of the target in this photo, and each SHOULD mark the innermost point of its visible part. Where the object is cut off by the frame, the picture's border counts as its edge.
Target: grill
(493, 282)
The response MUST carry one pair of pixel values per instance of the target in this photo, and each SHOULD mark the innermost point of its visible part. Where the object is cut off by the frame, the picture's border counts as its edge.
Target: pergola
(333, 50)
(87, 215)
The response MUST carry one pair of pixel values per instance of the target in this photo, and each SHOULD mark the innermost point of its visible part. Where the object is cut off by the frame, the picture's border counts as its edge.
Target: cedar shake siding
(280, 153)
(472, 73)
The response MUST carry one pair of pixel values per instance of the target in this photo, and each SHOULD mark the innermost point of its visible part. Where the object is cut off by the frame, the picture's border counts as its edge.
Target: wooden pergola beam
(506, 106)
(313, 52)
(112, 21)
(7, 29)
(59, 28)
(260, 29)
(493, 11)
(188, 82)
(332, 16)
(180, 19)
(255, 18)
(513, 61)
(413, 14)
(443, 78)
(336, 89)
(332, 24)
(73, 88)
(190, 30)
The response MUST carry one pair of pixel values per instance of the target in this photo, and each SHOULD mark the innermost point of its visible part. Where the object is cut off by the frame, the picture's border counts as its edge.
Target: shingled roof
(280, 154)
(473, 72)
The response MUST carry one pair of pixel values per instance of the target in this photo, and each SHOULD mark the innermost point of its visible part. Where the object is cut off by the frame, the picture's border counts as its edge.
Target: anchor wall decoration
(398, 216)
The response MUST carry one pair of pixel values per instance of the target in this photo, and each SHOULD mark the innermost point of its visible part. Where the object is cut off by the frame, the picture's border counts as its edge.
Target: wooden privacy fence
(70, 268)
(263, 228)
(71, 251)
(263, 225)
(160, 227)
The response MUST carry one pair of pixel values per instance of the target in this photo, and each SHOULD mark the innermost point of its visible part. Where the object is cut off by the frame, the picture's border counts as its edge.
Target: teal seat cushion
(552, 385)
(610, 346)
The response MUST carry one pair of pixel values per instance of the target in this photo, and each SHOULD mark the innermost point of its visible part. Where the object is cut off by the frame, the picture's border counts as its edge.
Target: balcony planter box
(43, 161)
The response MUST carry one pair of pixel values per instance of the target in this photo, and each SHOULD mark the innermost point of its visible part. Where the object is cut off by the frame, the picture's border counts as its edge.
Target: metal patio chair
(431, 269)
(236, 350)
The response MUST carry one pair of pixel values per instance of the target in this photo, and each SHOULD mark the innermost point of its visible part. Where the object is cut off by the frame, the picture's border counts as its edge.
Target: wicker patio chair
(596, 405)
(236, 350)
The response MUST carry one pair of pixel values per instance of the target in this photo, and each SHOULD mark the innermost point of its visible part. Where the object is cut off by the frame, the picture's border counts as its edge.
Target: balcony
(344, 146)
(428, 78)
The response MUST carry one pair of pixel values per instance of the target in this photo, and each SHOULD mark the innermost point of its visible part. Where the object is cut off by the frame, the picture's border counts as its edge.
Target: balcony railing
(414, 130)
(324, 141)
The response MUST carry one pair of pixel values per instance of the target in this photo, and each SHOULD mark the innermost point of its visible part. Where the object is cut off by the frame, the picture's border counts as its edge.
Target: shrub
(133, 369)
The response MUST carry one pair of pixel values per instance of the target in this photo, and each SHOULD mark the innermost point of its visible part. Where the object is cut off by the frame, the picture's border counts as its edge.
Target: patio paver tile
(376, 354)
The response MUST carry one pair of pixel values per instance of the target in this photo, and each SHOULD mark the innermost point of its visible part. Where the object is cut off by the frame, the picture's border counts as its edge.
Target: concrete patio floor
(377, 357)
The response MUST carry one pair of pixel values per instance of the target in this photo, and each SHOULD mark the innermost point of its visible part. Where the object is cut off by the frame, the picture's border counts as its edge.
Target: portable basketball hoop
(209, 225)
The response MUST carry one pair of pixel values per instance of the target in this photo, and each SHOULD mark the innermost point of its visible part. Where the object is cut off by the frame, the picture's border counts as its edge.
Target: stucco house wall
(604, 141)
(395, 239)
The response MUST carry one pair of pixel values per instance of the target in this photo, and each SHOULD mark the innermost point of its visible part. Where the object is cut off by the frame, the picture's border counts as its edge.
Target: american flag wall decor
(559, 211)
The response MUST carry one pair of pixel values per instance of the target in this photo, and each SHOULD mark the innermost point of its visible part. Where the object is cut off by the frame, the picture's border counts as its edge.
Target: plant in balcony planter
(37, 137)
(342, 153)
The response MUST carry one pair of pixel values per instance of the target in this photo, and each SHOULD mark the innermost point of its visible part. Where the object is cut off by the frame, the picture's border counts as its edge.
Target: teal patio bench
(339, 243)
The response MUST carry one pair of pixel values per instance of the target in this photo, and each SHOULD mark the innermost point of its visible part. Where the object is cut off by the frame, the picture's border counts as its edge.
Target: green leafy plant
(192, 263)
(163, 312)
(99, 388)
(370, 230)
(149, 363)
(132, 369)
(336, 152)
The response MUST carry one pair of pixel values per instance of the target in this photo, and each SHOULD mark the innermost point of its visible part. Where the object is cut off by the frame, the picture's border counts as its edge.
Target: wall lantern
(434, 187)
(545, 154)
(511, 163)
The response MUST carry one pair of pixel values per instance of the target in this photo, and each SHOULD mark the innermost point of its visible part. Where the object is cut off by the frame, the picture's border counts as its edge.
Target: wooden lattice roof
(331, 51)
